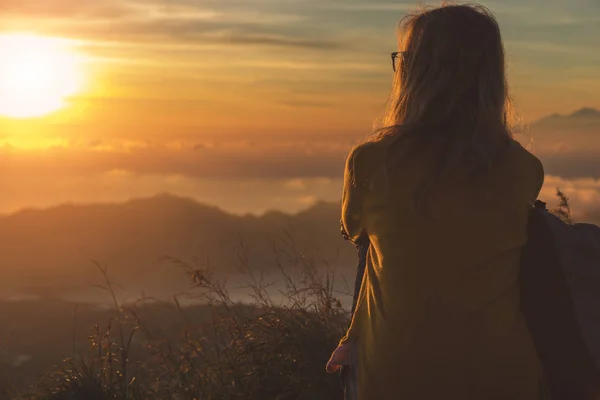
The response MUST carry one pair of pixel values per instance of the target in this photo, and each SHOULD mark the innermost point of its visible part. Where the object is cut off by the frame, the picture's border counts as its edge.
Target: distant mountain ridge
(161, 199)
(584, 113)
(568, 145)
(55, 246)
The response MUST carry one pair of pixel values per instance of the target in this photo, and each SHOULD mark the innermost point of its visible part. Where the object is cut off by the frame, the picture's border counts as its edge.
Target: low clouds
(210, 160)
(238, 176)
(568, 147)
(583, 193)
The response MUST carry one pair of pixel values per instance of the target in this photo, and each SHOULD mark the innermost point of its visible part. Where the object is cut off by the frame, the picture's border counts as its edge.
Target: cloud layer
(247, 159)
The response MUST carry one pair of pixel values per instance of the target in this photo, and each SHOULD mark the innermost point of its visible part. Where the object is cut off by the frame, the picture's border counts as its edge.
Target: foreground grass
(239, 351)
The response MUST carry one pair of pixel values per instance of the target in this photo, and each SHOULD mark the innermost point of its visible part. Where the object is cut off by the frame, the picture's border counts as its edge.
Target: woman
(443, 193)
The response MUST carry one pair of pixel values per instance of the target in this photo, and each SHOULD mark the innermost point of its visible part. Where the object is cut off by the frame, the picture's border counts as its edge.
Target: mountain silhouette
(584, 113)
(580, 124)
(53, 248)
(568, 145)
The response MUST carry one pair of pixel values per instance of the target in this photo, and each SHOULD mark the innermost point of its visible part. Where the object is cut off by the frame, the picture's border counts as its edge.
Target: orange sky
(206, 97)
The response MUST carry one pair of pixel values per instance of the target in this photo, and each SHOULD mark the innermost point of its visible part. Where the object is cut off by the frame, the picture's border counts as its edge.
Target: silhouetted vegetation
(264, 350)
(563, 210)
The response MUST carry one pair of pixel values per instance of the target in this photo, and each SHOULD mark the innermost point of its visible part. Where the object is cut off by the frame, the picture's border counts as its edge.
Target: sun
(38, 75)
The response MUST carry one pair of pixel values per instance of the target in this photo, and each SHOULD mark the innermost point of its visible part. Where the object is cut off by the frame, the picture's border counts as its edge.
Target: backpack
(560, 298)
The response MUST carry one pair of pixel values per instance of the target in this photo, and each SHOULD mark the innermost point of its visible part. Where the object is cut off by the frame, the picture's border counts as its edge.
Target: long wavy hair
(449, 91)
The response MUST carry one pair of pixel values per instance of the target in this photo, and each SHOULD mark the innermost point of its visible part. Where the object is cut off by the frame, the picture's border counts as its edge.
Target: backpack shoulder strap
(362, 246)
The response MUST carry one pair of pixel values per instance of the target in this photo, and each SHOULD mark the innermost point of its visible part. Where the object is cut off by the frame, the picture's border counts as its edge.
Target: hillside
(569, 145)
(49, 252)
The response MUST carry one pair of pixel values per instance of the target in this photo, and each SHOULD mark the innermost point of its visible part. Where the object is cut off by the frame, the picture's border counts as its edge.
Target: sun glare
(37, 75)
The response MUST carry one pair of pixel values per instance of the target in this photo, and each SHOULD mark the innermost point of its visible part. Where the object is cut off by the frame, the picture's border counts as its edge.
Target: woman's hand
(342, 355)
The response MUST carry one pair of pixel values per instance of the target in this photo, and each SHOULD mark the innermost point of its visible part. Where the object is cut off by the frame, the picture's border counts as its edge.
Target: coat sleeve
(353, 196)
(353, 222)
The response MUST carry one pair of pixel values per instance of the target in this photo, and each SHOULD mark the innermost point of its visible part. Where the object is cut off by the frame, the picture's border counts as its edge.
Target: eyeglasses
(395, 56)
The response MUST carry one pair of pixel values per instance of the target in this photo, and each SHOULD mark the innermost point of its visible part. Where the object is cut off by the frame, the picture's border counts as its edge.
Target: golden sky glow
(156, 69)
(197, 97)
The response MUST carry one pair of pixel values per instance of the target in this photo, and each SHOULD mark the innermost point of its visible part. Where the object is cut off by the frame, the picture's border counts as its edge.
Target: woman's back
(439, 307)
(443, 192)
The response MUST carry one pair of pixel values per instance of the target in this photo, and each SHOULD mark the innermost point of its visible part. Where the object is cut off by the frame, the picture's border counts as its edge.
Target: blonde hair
(449, 88)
